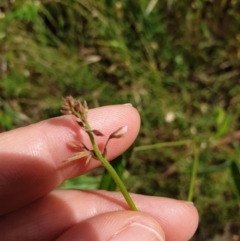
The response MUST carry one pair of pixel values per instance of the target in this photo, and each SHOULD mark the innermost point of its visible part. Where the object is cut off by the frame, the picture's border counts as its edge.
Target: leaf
(236, 175)
(82, 182)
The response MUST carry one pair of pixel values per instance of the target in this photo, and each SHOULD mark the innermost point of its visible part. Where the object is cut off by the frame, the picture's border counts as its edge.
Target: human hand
(31, 168)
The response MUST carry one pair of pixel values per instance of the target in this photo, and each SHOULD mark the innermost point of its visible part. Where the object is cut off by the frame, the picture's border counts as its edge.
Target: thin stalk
(161, 145)
(111, 170)
(194, 172)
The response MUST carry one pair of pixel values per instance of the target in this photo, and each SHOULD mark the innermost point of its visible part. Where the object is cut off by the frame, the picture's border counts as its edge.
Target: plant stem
(111, 170)
(194, 172)
(161, 145)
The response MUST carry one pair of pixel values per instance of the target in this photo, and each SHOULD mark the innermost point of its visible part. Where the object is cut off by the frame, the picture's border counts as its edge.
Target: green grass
(177, 59)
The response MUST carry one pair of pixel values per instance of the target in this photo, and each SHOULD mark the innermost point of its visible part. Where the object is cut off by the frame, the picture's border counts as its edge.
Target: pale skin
(31, 169)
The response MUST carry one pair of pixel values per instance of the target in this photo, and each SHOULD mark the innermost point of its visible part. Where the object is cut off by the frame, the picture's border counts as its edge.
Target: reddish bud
(119, 132)
(95, 132)
(80, 123)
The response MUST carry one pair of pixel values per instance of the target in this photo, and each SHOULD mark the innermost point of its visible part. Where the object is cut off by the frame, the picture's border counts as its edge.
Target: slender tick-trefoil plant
(76, 108)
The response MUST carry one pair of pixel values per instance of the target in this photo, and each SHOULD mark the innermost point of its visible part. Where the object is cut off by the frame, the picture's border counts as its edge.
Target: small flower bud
(66, 112)
(80, 123)
(119, 132)
(85, 105)
(79, 156)
(71, 101)
(95, 132)
(75, 144)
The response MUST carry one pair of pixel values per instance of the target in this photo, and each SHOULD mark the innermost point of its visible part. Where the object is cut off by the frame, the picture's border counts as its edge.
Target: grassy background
(177, 62)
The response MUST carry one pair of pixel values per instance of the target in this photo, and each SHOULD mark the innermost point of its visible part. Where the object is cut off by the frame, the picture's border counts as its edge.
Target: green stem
(161, 145)
(194, 172)
(111, 170)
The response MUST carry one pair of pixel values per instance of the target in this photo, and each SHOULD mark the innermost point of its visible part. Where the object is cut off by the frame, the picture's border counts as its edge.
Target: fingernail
(128, 104)
(137, 231)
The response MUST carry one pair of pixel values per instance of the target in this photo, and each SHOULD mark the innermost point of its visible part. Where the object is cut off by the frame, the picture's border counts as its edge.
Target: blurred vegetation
(177, 62)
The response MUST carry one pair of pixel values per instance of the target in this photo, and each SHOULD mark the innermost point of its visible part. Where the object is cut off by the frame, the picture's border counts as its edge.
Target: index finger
(31, 157)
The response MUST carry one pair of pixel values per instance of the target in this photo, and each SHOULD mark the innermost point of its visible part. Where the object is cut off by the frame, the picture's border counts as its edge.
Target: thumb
(116, 226)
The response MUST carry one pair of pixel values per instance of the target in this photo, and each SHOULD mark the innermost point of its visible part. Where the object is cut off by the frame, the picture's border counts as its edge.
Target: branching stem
(111, 170)
(74, 107)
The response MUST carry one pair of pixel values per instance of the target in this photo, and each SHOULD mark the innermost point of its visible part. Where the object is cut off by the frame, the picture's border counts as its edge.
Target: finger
(116, 226)
(62, 209)
(31, 157)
